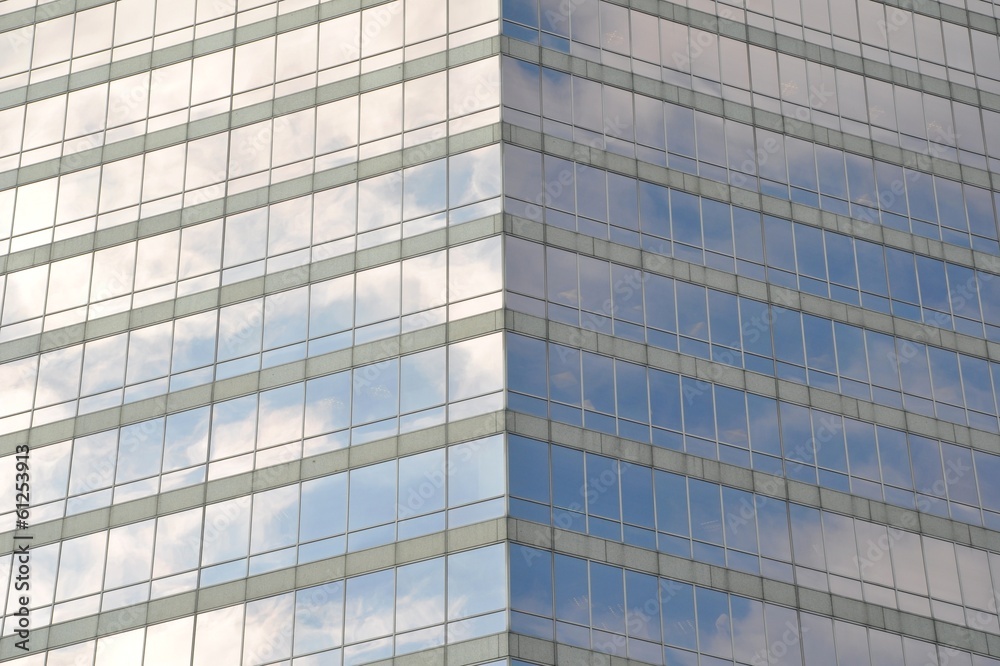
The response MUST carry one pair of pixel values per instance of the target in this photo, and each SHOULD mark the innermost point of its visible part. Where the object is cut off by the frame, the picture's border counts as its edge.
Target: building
(530, 332)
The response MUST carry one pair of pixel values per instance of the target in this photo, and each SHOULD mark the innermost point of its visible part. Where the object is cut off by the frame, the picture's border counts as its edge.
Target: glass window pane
(637, 495)
(178, 542)
(643, 609)
(424, 189)
(714, 630)
(373, 495)
(266, 629)
(477, 582)
(323, 507)
(474, 176)
(474, 269)
(475, 367)
(706, 511)
(376, 390)
(275, 519)
(328, 403)
(740, 519)
(531, 580)
(217, 633)
(81, 565)
(420, 594)
(227, 531)
(679, 624)
(421, 483)
(140, 449)
(631, 389)
(568, 484)
(748, 628)
(422, 380)
(607, 598)
(473, 471)
(319, 617)
(368, 607)
(603, 487)
(528, 465)
(166, 639)
(234, 427)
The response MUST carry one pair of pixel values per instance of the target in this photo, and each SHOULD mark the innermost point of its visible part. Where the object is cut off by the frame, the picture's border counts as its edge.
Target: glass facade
(499, 332)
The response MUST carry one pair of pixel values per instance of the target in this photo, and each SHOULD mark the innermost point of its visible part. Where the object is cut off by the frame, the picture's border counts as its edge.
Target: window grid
(757, 534)
(657, 620)
(788, 168)
(751, 431)
(295, 421)
(765, 338)
(673, 223)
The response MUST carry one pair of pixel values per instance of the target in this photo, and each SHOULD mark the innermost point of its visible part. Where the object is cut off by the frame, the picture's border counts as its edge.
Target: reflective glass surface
(269, 530)
(658, 620)
(254, 334)
(761, 337)
(338, 47)
(689, 56)
(247, 158)
(711, 420)
(726, 151)
(278, 278)
(701, 230)
(342, 622)
(302, 419)
(690, 518)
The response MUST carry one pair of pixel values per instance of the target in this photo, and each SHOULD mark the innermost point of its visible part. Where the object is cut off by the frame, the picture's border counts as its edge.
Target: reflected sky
(831, 552)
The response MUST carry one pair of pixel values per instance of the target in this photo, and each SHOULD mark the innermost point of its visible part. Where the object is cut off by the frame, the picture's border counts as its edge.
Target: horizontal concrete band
(550, 653)
(934, 9)
(754, 587)
(291, 472)
(45, 11)
(751, 288)
(236, 292)
(249, 383)
(752, 200)
(229, 120)
(474, 651)
(255, 198)
(745, 380)
(260, 586)
(747, 114)
(758, 482)
(179, 52)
